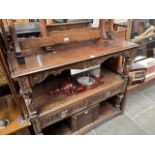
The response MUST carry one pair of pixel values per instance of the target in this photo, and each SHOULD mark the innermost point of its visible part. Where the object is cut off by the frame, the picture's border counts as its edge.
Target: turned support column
(126, 69)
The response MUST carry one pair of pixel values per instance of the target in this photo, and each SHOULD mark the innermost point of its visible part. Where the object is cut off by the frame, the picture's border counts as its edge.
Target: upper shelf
(65, 55)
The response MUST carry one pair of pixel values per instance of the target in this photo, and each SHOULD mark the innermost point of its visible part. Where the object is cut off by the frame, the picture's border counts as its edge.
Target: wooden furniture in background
(9, 110)
(143, 40)
(148, 81)
(11, 106)
(6, 73)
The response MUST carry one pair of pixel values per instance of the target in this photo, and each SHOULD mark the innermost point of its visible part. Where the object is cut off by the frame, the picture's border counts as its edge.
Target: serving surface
(38, 60)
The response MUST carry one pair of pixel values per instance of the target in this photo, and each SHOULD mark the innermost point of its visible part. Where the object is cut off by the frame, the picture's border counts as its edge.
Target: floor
(138, 119)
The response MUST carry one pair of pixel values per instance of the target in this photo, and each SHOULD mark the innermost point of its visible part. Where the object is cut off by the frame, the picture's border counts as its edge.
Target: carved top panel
(38, 60)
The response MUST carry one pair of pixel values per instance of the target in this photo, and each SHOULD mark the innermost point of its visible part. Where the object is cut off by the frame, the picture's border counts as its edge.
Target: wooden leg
(126, 73)
(36, 125)
(124, 102)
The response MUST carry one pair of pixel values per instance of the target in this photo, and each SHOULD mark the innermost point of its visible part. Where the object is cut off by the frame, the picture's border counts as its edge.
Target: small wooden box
(137, 73)
(83, 118)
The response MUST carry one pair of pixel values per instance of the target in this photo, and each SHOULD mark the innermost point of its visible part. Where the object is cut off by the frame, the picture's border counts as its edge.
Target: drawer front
(50, 118)
(81, 105)
(103, 96)
(83, 118)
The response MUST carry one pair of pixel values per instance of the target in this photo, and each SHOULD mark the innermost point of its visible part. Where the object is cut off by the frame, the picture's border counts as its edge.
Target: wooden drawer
(105, 95)
(68, 111)
(83, 118)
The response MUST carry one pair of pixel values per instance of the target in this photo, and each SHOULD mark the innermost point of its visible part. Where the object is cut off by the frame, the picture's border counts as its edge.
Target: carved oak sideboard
(44, 111)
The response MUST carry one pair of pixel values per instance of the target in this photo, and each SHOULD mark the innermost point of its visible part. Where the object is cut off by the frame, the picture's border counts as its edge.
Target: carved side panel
(26, 92)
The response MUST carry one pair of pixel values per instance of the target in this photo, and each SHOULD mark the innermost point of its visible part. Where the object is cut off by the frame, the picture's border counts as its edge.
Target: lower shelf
(107, 111)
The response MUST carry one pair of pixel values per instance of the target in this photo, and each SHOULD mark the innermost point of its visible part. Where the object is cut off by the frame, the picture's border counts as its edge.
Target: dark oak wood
(120, 34)
(102, 28)
(83, 118)
(43, 29)
(111, 26)
(49, 37)
(66, 55)
(56, 37)
(41, 116)
(50, 110)
(82, 51)
(49, 105)
(107, 111)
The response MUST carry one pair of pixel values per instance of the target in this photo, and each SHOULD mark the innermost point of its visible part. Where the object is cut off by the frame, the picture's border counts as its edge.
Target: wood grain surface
(65, 55)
